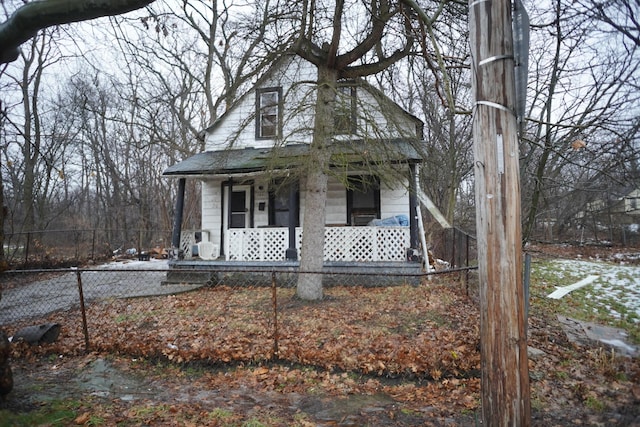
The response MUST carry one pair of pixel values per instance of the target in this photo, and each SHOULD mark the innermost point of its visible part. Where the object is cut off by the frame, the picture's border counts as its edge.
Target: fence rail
(132, 310)
(62, 248)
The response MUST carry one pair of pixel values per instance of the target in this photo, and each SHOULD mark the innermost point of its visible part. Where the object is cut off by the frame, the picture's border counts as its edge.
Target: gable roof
(287, 56)
(281, 61)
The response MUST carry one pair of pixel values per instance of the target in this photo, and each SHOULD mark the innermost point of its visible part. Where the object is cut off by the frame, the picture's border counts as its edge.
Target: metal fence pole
(526, 282)
(466, 264)
(26, 249)
(82, 310)
(274, 301)
(93, 244)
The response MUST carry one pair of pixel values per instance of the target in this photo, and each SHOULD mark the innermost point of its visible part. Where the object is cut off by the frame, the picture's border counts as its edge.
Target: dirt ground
(118, 390)
(570, 385)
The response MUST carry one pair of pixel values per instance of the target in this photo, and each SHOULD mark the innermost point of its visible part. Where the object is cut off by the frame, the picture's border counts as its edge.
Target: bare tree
(33, 169)
(339, 52)
(434, 85)
(27, 20)
(579, 118)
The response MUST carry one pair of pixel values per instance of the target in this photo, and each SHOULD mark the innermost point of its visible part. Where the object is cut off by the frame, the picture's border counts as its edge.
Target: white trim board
(562, 291)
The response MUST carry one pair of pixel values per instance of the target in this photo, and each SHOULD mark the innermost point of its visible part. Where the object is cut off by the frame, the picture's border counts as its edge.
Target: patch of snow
(134, 264)
(616, 283)
(620, 344)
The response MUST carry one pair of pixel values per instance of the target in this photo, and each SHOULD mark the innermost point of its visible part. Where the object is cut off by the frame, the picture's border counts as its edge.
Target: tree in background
(582, 123)
(434, 85)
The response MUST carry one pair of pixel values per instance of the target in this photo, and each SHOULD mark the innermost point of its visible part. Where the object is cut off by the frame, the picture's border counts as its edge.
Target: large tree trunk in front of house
(310, 278)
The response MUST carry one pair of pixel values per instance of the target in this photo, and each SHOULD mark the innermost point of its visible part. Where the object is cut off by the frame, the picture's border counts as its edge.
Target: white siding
(261, 218)
(336, 206)
(394, 201)
(377, 116)
(238, 128)
(211, 206)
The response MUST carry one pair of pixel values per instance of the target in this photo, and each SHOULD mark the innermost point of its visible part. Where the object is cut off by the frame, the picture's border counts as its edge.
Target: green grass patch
(607, 301)
(56, 413)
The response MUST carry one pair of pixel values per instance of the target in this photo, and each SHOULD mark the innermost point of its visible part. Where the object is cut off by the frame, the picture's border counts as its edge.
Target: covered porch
(342, 244)
(251, 221)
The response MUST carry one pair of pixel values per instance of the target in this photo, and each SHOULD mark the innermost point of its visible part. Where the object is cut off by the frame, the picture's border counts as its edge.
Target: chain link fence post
(85, 329)
(274, 302)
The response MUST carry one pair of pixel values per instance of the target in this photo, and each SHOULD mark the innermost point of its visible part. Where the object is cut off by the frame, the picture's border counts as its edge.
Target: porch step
(189, 277)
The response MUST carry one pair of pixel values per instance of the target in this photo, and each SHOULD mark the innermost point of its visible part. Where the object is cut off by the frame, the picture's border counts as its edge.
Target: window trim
(352, 125)
(356, 181)
(271, 214)
(278, 131)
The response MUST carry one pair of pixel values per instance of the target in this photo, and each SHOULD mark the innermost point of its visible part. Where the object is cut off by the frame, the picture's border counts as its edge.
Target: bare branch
(25, 22)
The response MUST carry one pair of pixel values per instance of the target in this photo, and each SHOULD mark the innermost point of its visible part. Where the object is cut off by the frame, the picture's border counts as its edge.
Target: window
(363, 200)
(279, 204)
(268, 112)
(345, 111)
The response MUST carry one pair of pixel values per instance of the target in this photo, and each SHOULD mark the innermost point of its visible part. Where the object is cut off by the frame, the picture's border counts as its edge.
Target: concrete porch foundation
(246, 273)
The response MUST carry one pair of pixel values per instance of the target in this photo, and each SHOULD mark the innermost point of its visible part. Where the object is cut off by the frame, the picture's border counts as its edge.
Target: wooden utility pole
(505, 375)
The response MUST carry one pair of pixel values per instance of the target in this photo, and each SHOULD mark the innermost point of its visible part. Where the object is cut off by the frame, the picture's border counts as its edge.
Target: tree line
(92, 113)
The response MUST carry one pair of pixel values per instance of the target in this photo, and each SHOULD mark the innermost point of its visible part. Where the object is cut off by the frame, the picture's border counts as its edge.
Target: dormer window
(345, 111)
(268, 113)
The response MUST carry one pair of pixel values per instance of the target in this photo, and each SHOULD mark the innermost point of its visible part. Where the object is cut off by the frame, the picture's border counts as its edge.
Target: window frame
(357, 184)
(340, 114)
(278, 185)
(260, 114)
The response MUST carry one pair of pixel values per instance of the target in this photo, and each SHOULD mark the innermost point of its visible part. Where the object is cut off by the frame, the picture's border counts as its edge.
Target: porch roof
(248, 160)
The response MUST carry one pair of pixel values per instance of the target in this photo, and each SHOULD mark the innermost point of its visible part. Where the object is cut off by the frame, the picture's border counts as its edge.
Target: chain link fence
(242, 316)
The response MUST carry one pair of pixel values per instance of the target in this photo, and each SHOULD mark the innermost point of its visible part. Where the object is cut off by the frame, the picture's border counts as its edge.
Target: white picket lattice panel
(360, 244)
(187, 240)
(257, 244)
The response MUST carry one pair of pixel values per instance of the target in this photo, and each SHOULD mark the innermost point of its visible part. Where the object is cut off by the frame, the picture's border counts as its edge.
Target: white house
(250, 172)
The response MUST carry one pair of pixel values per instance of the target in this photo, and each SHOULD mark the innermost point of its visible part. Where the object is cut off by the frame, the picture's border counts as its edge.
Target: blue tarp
(398, 220)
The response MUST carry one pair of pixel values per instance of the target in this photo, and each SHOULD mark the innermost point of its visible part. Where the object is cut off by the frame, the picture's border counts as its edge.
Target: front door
(239, 214)
(239, 211)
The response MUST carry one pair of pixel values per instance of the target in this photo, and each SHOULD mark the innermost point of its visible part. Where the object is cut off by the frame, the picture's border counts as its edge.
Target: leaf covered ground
(403, 355)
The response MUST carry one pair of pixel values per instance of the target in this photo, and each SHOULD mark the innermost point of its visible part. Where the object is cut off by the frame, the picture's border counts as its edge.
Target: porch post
(413, 204)
(230, 196)
(291, 254)
(177, 220)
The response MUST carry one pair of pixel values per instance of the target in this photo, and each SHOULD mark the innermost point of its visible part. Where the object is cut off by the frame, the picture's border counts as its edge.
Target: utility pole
(505, 374)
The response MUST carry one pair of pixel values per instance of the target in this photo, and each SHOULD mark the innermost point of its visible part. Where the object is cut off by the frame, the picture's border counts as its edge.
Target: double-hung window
(268, 113)
(345, 110)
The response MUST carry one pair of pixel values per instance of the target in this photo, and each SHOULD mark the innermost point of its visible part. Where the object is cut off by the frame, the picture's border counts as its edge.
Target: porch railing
(340, 243)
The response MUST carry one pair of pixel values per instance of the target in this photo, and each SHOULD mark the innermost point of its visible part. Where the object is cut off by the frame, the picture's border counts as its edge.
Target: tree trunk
(310, 279)
(505, 375)
(3, 208)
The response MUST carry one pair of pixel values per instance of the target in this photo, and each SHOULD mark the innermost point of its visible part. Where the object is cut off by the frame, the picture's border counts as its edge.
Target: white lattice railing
(340, 243)
(188, 240)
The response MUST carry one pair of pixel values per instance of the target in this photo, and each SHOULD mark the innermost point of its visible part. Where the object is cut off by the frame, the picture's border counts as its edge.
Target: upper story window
(268, 112)
(345, 111)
